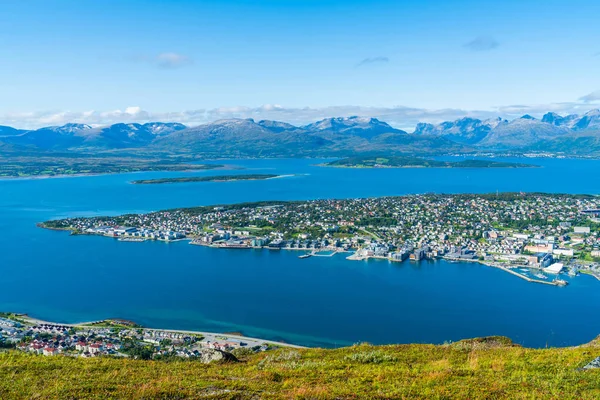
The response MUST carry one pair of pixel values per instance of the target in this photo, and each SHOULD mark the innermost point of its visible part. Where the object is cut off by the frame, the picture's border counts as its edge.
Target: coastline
(315, 252)
(90, 324)
(201, 179)
(423, 167)
(91, 174)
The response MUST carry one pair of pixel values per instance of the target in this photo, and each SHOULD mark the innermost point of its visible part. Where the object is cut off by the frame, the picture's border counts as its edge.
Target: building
(555, 268)
(124, 229)
(581, 229)
(49, 351)
(540, 248)
(563, 252)
(540, 260)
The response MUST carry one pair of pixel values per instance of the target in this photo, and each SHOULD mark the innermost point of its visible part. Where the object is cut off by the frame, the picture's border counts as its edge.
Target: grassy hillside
(483, 368)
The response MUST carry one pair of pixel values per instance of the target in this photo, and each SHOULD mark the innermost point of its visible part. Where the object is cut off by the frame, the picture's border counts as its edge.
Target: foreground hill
(472, 369)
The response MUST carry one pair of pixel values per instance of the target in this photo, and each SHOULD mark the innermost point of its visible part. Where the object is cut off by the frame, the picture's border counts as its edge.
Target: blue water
(323, 301)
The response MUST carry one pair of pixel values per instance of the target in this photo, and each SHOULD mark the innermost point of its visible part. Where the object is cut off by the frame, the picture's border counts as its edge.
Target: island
(45, 166)
(212, 178)
(416, 162)
(537, 237)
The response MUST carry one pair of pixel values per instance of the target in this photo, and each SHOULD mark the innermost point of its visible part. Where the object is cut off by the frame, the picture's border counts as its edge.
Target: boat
(540, 276)
(305, 255)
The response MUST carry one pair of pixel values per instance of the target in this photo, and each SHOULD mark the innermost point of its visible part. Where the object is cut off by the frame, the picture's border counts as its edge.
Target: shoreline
(203, 179)
(92, 174)
(422, 167)
(315, 252)
(90, 324)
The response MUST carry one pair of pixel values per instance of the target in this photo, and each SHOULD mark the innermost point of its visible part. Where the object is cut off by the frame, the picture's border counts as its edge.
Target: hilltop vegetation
(481, 368)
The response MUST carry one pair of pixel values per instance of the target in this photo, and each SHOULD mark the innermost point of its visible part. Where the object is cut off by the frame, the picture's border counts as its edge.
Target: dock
(528, 279)
(316, 254)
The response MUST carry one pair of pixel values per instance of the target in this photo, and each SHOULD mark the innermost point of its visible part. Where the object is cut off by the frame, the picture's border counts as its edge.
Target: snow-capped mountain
(277, 126)
(363, 127)
(518, 133)
(465, 130)
(163, 128)
(242, 137)
(81, 135)
(246, 137)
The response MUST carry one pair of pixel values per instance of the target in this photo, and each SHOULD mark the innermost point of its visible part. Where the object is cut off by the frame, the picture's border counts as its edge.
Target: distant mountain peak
(350, 133)
(364, 127)
(70, 128)
(592, 113)
(277, 126)
(527, 116)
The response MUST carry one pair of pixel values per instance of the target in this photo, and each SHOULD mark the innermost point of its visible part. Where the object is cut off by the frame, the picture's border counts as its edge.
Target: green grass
(484, 368)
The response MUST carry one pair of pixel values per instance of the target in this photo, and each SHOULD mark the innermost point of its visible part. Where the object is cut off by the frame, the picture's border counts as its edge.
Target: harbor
(555, 282)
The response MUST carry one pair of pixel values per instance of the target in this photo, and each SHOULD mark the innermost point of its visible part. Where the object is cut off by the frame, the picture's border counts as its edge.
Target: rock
(210, 355)
(489, 342)
(594, 364)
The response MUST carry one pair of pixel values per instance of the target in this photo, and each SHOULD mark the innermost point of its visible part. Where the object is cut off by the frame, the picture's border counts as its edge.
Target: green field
(489, 368)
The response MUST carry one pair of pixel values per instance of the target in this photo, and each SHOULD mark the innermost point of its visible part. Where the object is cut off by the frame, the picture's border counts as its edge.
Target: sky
(101, 62)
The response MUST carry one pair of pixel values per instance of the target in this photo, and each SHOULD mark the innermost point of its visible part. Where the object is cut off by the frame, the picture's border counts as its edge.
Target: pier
(528, 279)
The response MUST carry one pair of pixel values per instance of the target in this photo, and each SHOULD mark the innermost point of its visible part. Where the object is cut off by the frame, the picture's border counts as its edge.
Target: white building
(555, 268)
(581, 229)
(563, 252)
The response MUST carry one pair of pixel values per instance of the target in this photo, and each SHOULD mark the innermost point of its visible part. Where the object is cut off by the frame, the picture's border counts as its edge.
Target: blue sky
(194, 61)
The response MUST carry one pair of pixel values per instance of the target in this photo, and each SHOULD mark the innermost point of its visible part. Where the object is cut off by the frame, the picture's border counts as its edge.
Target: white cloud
(588, 98)
(399, 116)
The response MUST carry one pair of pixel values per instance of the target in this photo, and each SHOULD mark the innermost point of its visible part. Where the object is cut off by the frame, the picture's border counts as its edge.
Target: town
(121, 338)
(531, 235)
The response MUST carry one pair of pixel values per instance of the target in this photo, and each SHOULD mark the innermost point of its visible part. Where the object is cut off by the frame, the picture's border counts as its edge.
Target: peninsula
(415, 162)
(214, 178)
(535, 236)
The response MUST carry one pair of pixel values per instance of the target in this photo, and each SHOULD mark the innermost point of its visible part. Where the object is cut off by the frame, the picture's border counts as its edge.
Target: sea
(318, 301)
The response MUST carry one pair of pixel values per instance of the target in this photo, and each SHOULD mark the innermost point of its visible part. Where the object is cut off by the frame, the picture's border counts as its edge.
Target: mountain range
(553, 133)
(571, 134)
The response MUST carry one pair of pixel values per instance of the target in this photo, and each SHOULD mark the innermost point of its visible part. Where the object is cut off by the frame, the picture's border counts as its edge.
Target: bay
(273, 294)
